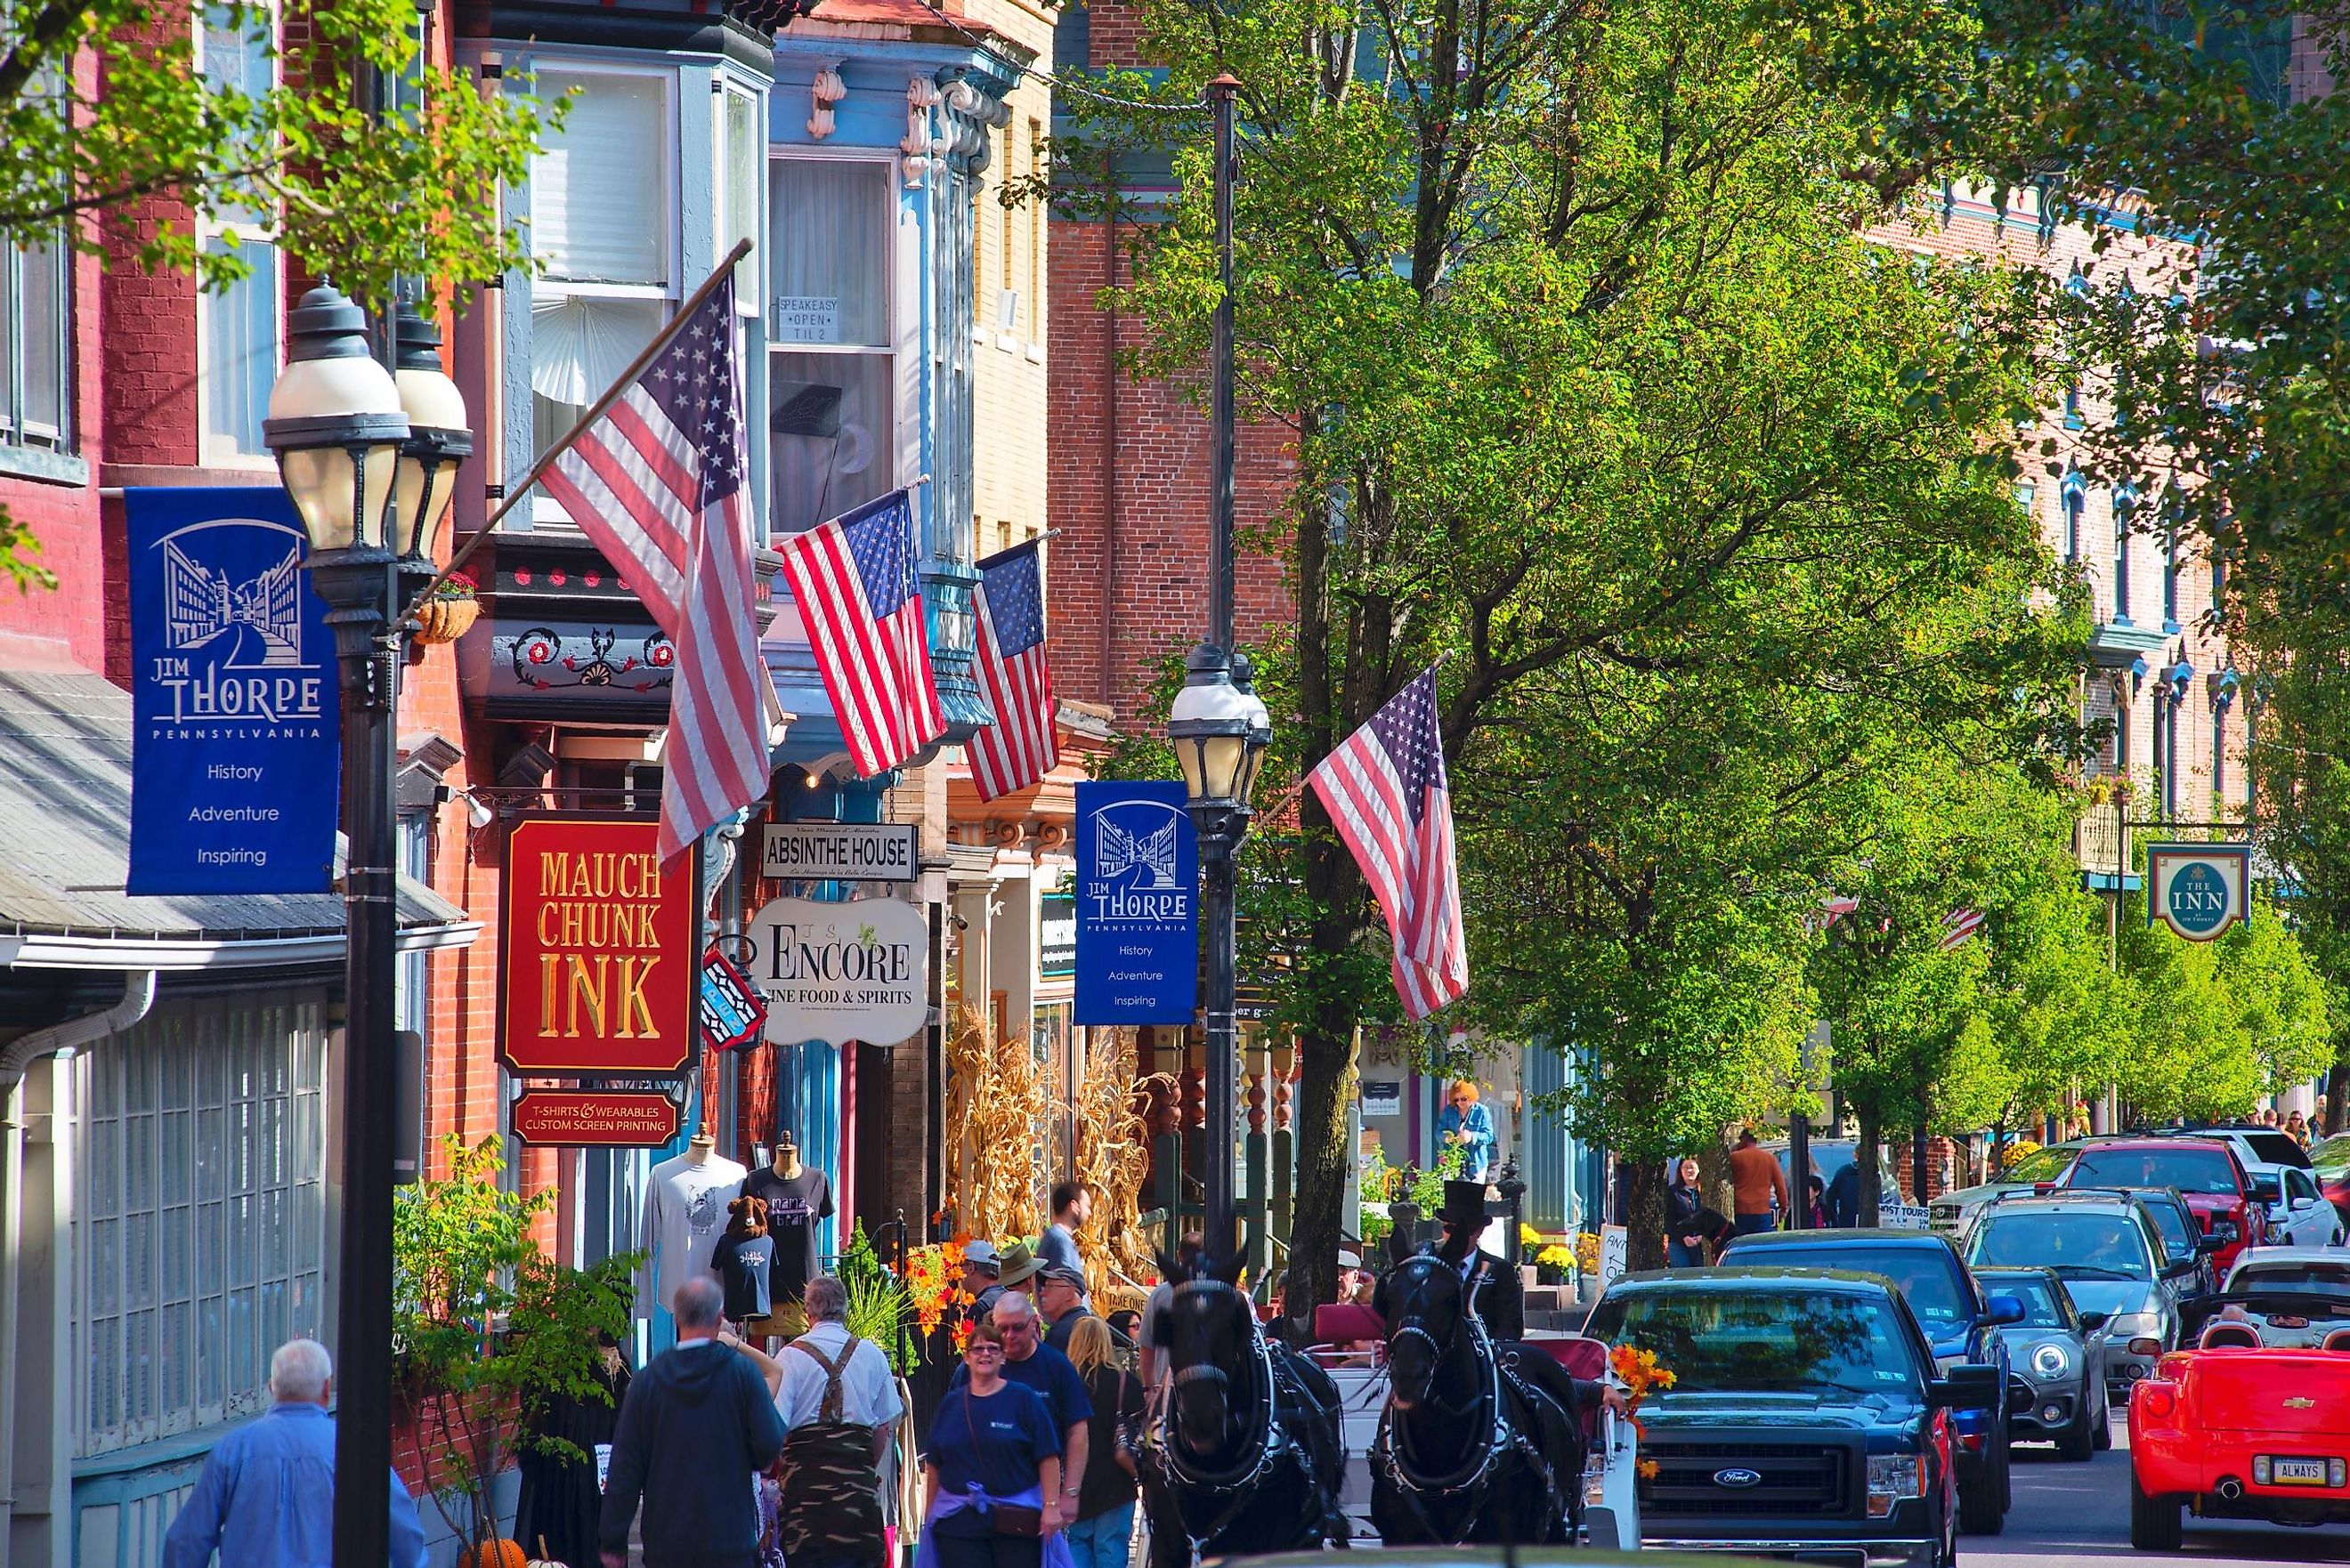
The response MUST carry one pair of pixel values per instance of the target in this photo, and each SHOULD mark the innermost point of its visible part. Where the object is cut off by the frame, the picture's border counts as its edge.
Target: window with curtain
(599, 188)
(200, 1213)
(36, 368)
(239, 365)
(2123, 506)
(832, 380)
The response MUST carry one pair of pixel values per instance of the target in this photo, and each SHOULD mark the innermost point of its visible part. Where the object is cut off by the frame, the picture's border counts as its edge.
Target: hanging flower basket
(450, 613)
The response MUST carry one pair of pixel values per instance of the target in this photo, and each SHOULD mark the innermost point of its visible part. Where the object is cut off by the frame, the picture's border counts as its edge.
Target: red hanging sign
(594, 1119)
(597, 943)
(734, 1013)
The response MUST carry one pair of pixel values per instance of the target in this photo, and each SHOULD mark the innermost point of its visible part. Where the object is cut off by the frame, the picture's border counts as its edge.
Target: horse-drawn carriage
(1410, 1428)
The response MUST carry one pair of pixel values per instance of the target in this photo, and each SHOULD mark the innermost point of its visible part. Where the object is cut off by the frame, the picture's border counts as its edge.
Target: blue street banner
(1138, 893)
(235, 754)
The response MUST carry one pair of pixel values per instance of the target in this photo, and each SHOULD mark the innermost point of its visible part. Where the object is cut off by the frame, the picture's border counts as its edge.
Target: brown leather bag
(1005, 1517)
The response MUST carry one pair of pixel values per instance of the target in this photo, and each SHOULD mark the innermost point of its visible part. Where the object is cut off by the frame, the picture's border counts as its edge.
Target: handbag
(1005, 1517)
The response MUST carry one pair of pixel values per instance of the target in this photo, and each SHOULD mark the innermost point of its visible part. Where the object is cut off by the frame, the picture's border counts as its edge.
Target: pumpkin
(543, 1560)
(498, 1553)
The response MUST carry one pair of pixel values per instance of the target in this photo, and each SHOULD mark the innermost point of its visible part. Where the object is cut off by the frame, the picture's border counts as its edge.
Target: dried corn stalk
(1113, 1161)
(1000, 1104)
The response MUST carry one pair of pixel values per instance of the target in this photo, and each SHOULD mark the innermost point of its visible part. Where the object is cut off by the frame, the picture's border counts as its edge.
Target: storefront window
(200, 1213)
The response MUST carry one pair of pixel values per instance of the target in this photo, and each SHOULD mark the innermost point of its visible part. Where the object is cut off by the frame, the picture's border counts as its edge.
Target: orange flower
(1648, 1468)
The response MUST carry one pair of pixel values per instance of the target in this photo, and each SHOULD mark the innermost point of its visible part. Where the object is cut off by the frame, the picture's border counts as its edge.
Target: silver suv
(2108, 1250)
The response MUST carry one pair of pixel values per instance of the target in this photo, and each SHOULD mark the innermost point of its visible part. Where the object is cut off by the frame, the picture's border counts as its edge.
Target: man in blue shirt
(267, 1496)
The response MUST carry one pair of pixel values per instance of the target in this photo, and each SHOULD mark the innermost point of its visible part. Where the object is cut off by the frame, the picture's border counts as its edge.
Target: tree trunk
(1326, 1082)
(1713, 1176)
(1865, 1153)
(1645, 1243)
(2337, 1086)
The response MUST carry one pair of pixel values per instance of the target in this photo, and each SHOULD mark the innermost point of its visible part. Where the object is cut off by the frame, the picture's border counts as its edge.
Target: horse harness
(1271, 1444)
(1499, 1437)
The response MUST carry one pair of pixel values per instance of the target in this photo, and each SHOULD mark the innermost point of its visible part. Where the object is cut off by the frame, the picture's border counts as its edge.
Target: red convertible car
(2233, 1429)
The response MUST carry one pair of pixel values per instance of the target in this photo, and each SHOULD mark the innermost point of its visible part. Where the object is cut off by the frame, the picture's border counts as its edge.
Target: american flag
(1015, 680)
(657, 483)
(1958, 925)
(853, 578)
(1385, 791)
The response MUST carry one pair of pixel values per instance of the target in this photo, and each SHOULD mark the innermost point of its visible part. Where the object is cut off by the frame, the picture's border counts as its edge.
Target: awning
(65, 856)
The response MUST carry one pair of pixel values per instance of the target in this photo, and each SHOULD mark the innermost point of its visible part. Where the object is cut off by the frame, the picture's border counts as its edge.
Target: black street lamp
(370, 463)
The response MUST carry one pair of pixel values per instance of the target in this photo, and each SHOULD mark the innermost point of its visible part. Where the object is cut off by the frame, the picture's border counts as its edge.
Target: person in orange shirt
(1755, 1182)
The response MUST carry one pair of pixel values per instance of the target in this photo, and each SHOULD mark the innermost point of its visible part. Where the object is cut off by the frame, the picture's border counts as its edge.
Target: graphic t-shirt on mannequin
(684, 1215)
(794, 1205)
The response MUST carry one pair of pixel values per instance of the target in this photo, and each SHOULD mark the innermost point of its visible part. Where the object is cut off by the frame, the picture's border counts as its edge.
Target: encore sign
(599, 965)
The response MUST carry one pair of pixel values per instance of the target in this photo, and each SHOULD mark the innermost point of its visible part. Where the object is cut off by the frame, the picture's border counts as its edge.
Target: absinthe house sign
(841, 972)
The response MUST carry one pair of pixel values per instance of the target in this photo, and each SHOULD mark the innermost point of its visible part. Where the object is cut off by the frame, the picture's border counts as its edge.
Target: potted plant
(450, 613)
(486, 1329)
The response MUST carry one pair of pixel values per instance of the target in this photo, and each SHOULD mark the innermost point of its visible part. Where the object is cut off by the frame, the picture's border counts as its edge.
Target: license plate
(2298, 1472)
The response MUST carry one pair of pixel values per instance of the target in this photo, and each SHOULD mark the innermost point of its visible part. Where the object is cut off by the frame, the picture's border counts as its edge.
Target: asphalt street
(2080, 1513)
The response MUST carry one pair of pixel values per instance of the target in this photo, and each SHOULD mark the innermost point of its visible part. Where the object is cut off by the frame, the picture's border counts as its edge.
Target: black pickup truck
(1805, 1423)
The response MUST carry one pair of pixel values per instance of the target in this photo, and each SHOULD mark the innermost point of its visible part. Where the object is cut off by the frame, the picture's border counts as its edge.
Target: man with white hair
(267, 1495)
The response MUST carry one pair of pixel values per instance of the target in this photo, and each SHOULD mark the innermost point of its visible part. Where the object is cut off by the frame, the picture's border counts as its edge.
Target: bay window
(600, 223)
(832, 378)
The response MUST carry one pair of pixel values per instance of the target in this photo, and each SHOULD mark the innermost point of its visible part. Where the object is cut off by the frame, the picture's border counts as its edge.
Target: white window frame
(17, 430)
(211, 230)
(750, 273)
(545, 511)
(286, 1031)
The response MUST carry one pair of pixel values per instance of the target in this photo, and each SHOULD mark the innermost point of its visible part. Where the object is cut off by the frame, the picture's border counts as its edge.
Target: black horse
(1248, 1457)
(1466, 1452)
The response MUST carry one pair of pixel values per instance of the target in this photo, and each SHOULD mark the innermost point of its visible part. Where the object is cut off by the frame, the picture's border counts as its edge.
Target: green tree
(104, 106)
(2302, 765)
(1593, 387)
(2222, 1023)
(486, 1329)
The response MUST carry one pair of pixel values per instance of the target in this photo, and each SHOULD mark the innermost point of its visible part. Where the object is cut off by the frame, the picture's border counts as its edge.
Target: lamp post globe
(1209, 725)
(438, 440)
(336, 425)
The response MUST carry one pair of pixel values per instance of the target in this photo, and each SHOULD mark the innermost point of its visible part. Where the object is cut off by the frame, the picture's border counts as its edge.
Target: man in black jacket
(696, 1425)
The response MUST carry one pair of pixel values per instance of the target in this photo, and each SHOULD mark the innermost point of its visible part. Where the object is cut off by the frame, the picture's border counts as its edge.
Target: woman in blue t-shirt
(993, 1448)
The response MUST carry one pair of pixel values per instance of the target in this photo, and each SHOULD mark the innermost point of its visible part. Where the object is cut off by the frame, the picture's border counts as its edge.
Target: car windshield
(1925, 1275)
(2332, 1158)
(2041, 1307)
(1770, 1341)
(2040, 1165)
(2324, 1276)
(2084, 1246)
(2271, 1146)
(2206, 1170)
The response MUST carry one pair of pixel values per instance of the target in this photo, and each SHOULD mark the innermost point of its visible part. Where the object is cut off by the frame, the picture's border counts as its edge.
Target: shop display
(745, 1259)
(797, 1198)
(684, 1214)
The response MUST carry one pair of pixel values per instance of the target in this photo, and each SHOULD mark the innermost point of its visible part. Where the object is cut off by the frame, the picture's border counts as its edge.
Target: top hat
(1019, 1262)
(1464, 1204)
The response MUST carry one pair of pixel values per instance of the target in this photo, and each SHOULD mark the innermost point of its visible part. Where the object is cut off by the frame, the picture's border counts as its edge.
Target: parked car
(1806, 1420)
(2325, 1269)
(2239, 1433)
(2058, 1393)
(1951, 1212)
(1830, 1156)
(2302, 1217)
(2227, 1201)
(2329, 1161)
(2253, 1145)
(2182, 1238)
(2109, 1250)
(1962, 1325)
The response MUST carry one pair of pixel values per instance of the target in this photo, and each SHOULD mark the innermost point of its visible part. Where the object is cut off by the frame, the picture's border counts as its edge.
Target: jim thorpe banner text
(597, 949)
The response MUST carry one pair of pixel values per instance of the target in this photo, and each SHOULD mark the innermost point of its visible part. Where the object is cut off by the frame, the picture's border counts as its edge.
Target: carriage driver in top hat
(1498, 1301)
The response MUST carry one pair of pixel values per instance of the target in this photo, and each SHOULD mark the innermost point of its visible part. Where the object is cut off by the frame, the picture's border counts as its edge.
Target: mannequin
(798, 1196)
(684, 1214)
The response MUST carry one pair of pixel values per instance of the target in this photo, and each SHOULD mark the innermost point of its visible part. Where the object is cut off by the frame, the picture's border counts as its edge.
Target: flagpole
(612, 394)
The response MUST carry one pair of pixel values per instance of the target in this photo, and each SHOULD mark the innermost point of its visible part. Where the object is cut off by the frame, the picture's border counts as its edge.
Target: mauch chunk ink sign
(234, 755)
(1138, 887)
